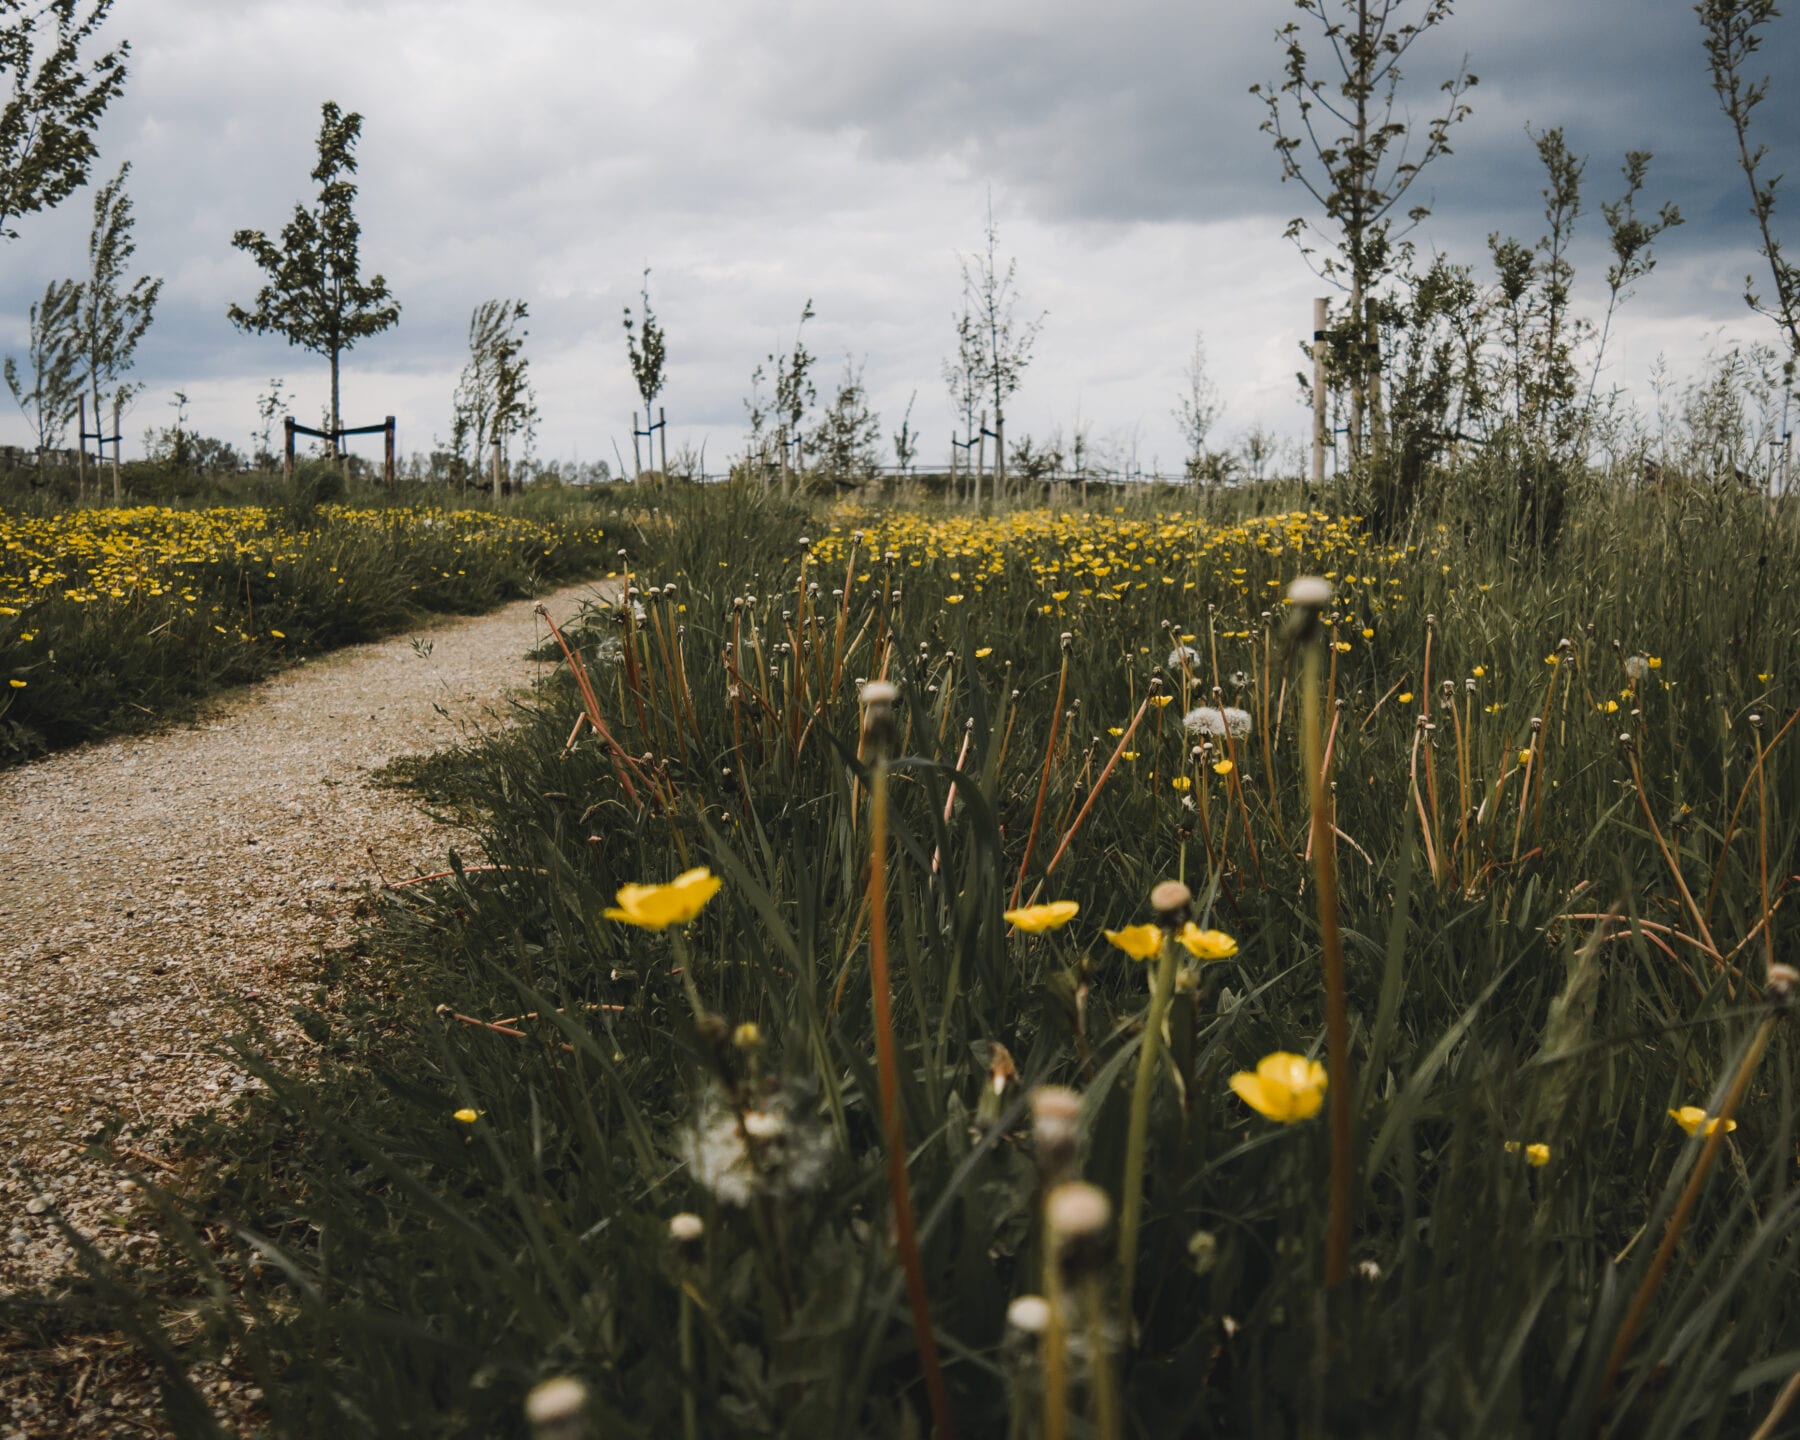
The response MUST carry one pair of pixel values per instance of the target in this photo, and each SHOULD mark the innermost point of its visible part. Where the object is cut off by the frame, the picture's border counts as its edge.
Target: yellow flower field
(93, 556)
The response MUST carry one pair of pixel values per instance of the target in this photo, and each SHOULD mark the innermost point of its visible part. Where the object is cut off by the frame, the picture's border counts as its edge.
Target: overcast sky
(758, 154)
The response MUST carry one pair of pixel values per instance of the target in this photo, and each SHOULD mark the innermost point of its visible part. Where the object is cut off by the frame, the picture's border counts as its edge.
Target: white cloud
(758, 155)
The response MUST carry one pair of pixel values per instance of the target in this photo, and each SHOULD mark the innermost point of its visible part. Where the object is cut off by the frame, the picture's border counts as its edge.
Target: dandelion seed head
(777, 1150)
(1218, 721)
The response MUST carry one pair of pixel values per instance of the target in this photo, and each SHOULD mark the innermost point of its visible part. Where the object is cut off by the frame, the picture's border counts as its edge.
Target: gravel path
(149, 886)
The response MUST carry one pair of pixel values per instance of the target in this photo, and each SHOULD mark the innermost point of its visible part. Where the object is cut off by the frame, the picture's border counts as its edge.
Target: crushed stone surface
(157, 888)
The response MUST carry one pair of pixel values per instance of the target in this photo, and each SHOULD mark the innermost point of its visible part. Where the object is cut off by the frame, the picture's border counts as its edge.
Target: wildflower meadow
(112, 619)
(1155, 969)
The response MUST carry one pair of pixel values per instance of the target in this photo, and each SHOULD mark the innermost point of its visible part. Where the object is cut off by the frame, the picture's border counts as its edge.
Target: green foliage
(846, 438)
(98, 667)
(57, 97)
(373, 1256)
(494, 398)
(646, 350)
(314, 294)
(1337, 133)
(112, 319)
(50, 395)
(1733, 35)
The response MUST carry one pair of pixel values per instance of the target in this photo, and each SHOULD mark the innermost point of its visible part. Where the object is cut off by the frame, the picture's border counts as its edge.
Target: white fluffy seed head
(1029, 1314)
(1311, 591)
(553, 1404)
(686, 1228)
(1077, 1210)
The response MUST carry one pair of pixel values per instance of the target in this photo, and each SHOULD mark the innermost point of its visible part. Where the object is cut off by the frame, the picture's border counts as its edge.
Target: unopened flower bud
(1171, 900)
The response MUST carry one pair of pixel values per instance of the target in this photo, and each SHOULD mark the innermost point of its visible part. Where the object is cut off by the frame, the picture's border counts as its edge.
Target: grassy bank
(1564, 819)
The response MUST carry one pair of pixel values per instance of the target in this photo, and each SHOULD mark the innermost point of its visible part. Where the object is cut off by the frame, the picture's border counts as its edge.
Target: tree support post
(1320, 311)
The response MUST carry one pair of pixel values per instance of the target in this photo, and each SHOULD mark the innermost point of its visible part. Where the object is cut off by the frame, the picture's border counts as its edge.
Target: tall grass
(1551, 937)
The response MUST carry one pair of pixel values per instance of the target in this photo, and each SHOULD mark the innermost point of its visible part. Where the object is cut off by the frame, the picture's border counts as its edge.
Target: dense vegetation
(112, 619)
(1565, 826)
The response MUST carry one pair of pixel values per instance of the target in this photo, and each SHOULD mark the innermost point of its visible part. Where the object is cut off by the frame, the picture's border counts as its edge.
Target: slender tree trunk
(999, 455)
(1364, 64)
(337, 445)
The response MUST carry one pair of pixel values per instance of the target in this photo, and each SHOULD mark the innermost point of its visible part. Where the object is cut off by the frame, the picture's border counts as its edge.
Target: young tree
(795, 392)
(848, 432)
(56, 100)
(1631, 239)
(1002, 341)
(50, 396)
(962, 375)
(646, 352)
(1732, 38)
(315, 295)
(1197, 409)
(494, 399)
(1358, 176)
(271, 403)
(112, 316)
(906, 439)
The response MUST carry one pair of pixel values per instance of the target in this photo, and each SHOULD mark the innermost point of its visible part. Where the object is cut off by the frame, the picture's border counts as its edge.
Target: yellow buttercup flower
(1206, 944)
(984, 652)
(1535, 1154)
(1181, 784)
(656, 907)
(1284, 1087)
(1406, 697)
(466, 1115)
(953, 599)
(1223, 767)
(1036, 919)
(1160, 700)
(1140, 942)
(1691, 1117)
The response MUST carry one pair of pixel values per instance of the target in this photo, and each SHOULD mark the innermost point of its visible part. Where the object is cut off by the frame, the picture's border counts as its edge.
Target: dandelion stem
(1105, 1388)
(1716, 1129)
(1712, 895)
(1337, 1028)
(1131, 1201)
(1094, 794)
(1037, 814)
(690, 1418)
(893, 1129)
(1637, 775)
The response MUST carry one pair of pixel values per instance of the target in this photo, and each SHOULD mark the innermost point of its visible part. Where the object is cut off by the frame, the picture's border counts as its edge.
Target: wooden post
(951, 486)
(499, 483)
(662, 438)
(781, 440)
(1320, 307)
(287, 448)
(387, 459)
(118, 491)
(998, 489)
(980, 459)
(81, 442)
(1372, 368)
(637, 455)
